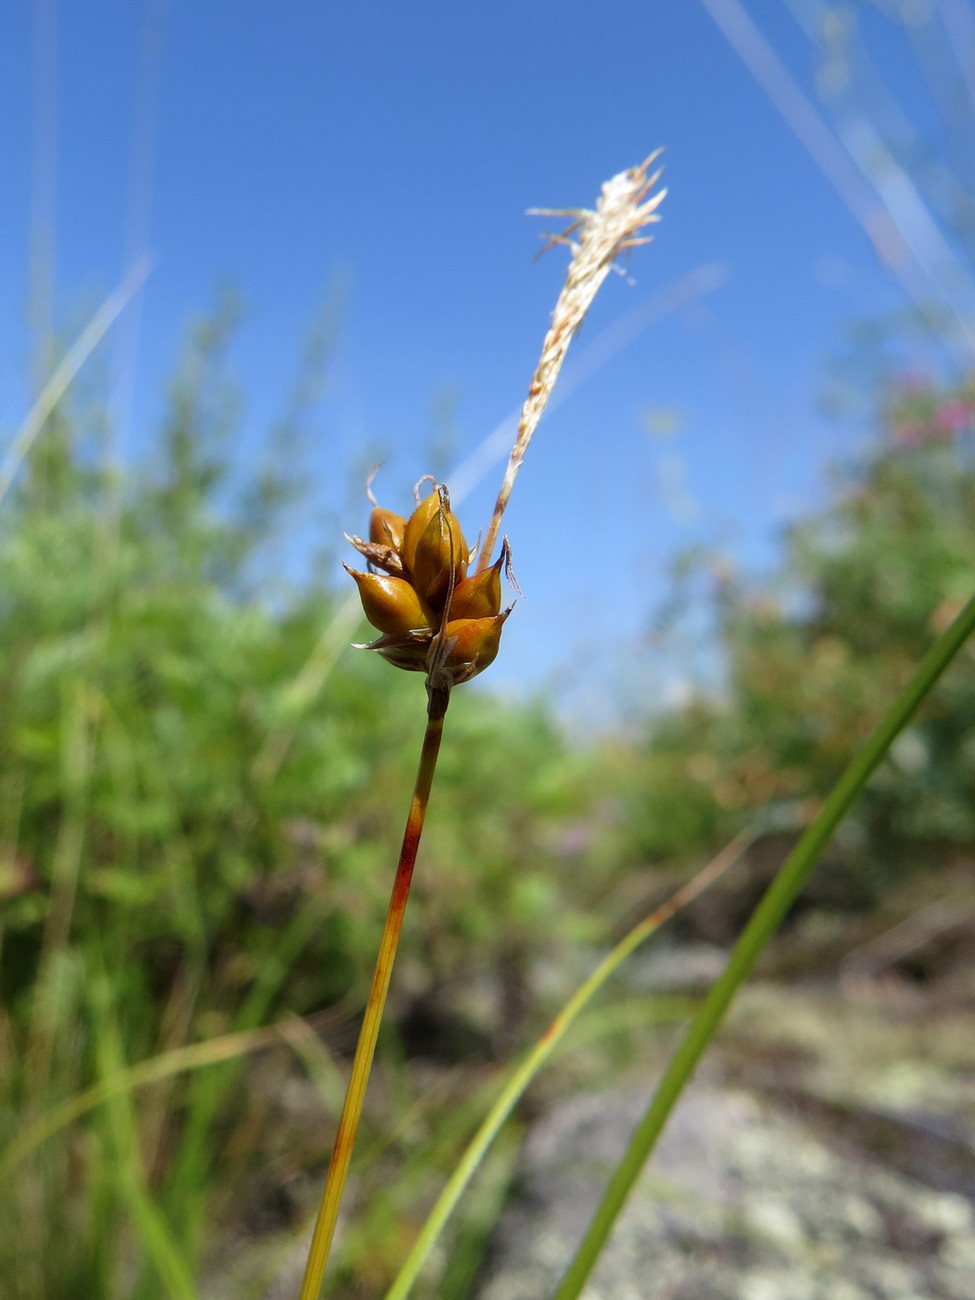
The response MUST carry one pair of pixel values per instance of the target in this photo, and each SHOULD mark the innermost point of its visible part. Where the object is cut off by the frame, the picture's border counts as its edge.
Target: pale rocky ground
(743, 1203)
(828, 1153)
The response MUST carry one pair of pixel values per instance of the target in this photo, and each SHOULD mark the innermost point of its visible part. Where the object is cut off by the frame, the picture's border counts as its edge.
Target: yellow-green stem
(365, 1048)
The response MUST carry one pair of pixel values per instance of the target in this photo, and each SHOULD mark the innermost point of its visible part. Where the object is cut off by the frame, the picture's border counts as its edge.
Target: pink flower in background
(909, 433)
(920, 416)
(952, 416)
(912, 382)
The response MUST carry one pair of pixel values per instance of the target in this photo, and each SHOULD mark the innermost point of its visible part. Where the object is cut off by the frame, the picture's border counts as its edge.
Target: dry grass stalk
(601, 235)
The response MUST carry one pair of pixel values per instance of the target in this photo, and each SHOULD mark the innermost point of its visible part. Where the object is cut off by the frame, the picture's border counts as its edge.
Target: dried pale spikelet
(596, 239)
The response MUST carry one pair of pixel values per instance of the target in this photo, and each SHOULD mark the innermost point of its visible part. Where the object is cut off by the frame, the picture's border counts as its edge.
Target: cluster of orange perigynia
(434, 619)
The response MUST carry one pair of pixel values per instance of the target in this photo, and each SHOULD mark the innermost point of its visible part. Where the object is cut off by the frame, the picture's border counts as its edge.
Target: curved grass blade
(195, 1056)
(74, 359)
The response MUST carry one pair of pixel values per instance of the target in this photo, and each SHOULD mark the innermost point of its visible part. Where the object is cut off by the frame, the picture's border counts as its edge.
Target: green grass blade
(153, 1230)
(537, 1057)
(187, 1187)
(764, 921)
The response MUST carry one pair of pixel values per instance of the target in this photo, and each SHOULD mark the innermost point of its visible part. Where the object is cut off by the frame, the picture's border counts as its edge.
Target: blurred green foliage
(201, 802)
(194, 842)
(813, 653)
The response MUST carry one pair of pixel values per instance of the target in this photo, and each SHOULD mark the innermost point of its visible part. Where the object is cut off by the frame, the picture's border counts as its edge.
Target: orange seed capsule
(415, 526)
(391, 604)
(476, 642)
(478, 596)
(386, 528)
(441, 558)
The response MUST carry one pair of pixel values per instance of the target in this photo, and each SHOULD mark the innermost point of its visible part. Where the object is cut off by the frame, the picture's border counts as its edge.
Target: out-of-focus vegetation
(186, 852)
(813, 654)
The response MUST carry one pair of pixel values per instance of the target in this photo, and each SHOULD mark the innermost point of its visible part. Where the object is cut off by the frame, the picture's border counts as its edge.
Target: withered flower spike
(625, 206)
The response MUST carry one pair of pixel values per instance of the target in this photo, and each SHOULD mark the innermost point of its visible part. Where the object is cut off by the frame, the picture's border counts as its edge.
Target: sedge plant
(437, 617)
(437, 606)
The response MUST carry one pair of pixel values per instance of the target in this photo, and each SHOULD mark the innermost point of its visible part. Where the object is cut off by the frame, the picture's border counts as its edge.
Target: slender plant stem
(537, 1056)
(765, 920)
(338, 1169)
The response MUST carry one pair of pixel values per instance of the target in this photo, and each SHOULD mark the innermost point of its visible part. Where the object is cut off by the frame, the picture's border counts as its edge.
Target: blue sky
(394, 149)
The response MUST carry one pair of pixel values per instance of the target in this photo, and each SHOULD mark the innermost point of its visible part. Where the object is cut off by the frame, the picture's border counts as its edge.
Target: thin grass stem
(538, 1055)
(765, 920)
(74, 359)
(163, 1249)
(328, 1211)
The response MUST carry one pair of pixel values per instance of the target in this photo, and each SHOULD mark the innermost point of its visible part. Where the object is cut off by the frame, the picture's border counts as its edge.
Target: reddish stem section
(368, 1034)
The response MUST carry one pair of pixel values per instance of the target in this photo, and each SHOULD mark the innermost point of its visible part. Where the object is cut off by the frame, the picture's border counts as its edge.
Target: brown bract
(434, 618)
